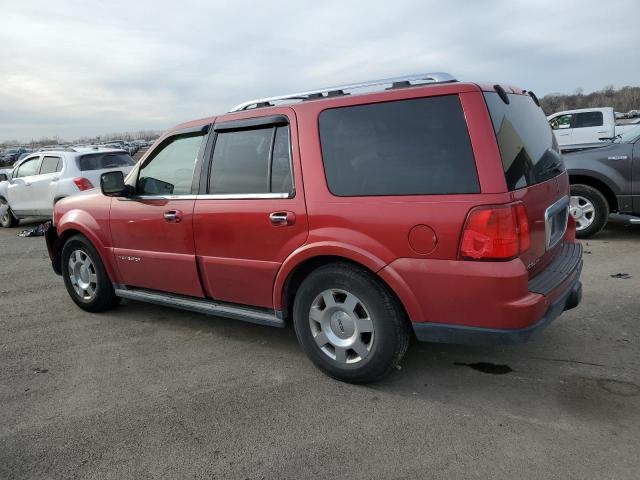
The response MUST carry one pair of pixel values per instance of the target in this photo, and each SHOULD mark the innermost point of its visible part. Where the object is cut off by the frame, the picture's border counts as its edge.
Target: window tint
(561, 122)
(50, 165)
(407, 147)
(527, 145)
(241, 161)
(99, 161)
(30, 167)
(281, 179)
(589, 119)
(170, 171)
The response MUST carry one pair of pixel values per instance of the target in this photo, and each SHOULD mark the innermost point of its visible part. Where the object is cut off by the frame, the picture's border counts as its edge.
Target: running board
(201, 305)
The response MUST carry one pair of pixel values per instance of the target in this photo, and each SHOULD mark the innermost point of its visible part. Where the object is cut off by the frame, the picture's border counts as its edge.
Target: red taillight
(82, 183)
(496, 232)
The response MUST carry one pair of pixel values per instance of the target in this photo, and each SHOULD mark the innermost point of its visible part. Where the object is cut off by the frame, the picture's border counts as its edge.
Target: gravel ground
(149, 392)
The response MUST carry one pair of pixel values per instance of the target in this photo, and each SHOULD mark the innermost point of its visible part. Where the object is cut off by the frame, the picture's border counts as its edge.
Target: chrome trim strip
(215, 196)
(208, 307)
(435, 77)
(549, 213)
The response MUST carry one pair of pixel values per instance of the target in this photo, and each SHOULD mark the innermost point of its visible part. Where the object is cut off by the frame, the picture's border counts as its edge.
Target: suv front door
(19, 190)
(251, 214)
(152, 231)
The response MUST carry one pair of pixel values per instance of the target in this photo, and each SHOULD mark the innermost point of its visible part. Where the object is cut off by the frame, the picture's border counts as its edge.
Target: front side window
(170, 170)
(50, 165)
(252, 161)
(562, 122)
(589, 119)
(28, 168)
(406, 147)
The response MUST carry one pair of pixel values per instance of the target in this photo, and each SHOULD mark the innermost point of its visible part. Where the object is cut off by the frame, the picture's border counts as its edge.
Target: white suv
(36, 183)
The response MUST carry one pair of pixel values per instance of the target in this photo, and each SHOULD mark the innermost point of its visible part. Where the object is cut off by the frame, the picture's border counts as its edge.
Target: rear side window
(407, 147)
(252, 161)
(50, 165)
(527, 145)
(100, 161)
(588, 119)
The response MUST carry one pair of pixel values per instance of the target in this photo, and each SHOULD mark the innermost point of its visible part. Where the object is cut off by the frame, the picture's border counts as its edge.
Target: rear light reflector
(495, 233)
(82, 183)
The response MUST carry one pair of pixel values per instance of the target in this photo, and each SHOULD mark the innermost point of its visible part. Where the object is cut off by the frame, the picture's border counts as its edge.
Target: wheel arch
(295, 270)
(598, 184)
(67, 229)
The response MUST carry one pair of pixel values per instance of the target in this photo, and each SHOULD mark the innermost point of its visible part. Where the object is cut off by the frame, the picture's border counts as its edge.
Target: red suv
(360, 213)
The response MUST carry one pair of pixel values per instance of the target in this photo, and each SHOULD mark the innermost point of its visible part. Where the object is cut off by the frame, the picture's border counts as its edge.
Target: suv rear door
(152, 231)
(41, 184)
(534, 172)
(251, 212)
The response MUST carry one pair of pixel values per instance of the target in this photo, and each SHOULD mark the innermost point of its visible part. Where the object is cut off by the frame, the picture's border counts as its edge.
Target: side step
(270, 318)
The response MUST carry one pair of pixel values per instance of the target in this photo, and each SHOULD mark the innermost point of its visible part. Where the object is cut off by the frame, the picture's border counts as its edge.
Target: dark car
(604, 180)
(11, 155)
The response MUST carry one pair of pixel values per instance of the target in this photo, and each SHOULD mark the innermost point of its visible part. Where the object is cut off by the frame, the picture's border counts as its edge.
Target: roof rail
(397, 82)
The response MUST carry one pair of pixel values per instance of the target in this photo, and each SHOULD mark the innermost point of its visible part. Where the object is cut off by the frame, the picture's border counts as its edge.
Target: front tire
(349, 324)
(590, 210)
(7, 218)
(85, 277)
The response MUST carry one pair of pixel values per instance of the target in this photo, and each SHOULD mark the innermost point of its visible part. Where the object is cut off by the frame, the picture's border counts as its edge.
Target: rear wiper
(551, 169)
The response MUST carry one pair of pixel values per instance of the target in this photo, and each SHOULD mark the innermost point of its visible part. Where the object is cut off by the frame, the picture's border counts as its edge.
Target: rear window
(589, 119)
(407, 147)
(100, 161)
(528, 148)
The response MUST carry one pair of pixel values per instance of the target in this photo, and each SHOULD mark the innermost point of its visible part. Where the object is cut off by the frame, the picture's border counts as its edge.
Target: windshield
(629, 136)
(528, 148)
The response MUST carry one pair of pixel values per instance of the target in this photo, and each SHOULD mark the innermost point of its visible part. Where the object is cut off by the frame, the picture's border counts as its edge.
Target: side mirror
(112, 184)
(3, 177)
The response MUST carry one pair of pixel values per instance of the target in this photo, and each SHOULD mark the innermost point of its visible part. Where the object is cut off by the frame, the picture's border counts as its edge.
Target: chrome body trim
(215, 196)
(434, 77)
(271, 318)
(553, 237)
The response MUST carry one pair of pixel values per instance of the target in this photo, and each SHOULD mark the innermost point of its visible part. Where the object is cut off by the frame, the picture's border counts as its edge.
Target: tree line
(622, 99)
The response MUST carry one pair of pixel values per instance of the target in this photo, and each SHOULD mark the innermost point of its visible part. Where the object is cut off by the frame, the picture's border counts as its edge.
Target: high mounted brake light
(499, 232)
(83, 183)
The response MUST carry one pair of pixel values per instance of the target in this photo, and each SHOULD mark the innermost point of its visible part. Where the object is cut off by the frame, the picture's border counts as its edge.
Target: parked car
(37, 182)
(605, 180)
(11, 155)
(585, 127)
(422, 205)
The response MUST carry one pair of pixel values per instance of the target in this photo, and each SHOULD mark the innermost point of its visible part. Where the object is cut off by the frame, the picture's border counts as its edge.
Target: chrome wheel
(583, 211)
(83, 275)
(341, 326)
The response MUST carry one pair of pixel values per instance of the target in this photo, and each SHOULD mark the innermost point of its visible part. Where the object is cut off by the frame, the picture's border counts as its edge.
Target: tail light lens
(82, 183)
(495, 233)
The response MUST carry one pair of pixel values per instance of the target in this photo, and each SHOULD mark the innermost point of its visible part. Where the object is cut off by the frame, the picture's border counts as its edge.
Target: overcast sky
(75, 68)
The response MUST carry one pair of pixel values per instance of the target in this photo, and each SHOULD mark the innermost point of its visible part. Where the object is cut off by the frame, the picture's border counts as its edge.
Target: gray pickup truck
(604, 180)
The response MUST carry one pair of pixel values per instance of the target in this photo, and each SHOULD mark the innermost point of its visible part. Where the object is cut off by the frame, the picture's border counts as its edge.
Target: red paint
(234, 251)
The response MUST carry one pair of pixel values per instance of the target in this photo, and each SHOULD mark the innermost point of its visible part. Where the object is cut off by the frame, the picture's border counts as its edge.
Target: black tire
(600, 213)
(390, 335)
(8, 219)
(103, 297)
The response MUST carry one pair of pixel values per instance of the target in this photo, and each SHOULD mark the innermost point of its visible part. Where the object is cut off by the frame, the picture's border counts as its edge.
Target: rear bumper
(443, 333)
(484, 302)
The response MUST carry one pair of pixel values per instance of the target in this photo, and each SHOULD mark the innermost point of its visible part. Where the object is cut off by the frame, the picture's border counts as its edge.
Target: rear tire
(7, 218)
(85, 277)
(349, 323)
(590, 210)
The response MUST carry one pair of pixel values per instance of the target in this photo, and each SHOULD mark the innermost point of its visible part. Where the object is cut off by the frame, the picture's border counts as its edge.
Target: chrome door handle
(27, 184)
(173, 216)
(282, 218)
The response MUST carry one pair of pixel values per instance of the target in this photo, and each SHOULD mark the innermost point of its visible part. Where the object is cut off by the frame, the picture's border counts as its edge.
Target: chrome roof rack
(396, 82)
